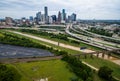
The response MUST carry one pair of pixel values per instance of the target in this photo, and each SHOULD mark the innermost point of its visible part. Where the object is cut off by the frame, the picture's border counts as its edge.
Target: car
(82, 48)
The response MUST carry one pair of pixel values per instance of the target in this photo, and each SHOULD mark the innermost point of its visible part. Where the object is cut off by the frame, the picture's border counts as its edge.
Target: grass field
(54, 70)
(97, 62)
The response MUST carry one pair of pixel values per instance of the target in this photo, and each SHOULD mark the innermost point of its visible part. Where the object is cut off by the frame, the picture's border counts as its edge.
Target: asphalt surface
(91, 41)
(10, 51)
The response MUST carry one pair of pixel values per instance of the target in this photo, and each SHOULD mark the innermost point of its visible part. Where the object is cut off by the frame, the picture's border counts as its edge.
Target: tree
(1, 35)
(81, 70)
(105, 72)
(9, 73)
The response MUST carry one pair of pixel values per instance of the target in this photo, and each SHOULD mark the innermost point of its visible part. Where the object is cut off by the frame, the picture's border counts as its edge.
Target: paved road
(84, 39)
(55, 43)
(90, 66)
(95, 35)
(115, 60)
(90, 40)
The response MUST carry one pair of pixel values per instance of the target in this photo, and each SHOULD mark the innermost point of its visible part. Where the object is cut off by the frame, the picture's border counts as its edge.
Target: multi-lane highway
(92, 37)
(97, 35)
(89, 40)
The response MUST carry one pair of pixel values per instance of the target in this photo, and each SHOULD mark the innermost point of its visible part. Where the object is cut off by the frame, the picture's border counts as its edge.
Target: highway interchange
(92, 41)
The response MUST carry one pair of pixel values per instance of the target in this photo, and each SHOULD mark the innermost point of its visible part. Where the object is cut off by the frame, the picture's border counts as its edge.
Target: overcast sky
(85, 9)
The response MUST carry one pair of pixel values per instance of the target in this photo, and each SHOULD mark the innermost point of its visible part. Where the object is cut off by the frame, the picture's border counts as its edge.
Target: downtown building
(38, 17)
(42, 18)
(9, 21)
(72, 18)
(31, 20)
(46, 15)
(54, 19)
(63, 16)
(59, 17)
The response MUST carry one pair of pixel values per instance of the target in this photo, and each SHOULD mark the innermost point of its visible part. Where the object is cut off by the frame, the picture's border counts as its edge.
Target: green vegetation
(106, 73)
(89, 35)
(42, 33)
(54, 27)
(95, 62)
(101, 31)
(25, 25)
(117, 30)
(1, 35)
(112, 40)
(81, 70)
(57, 47)
(98, 62)
(73, 40)
(105, 33)
(54, 70)
(9, 73)
(79, 31)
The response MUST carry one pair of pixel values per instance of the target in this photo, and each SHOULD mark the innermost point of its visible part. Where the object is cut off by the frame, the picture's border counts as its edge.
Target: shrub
(9, 73)
(105, 72)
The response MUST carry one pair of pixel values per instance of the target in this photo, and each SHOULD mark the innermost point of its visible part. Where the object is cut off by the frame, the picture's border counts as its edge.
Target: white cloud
(99, 9)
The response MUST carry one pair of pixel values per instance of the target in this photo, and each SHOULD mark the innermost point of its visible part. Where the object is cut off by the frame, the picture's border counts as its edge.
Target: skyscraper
(46, 14)
(73, 17)
(54, 18)
(38, 17)
(50, 20)
(63, 16)
(63, 11)
(31, 18)
(43, 18)
(59, 17)
(69, 19)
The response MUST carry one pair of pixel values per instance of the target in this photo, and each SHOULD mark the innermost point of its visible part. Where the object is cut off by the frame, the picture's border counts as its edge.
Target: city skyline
(41, 18)
(97, 9)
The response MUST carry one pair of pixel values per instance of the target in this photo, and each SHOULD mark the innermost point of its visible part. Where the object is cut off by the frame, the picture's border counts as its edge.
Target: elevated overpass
(84, 40)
